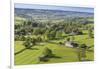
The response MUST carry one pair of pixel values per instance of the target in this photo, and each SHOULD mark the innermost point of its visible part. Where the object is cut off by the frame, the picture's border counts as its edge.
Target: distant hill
(49, 14)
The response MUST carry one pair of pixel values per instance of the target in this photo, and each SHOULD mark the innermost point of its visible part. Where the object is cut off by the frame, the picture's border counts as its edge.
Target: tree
(46, 35)
(36, 31)
(22, 38)
(33, 40)
(17, 26)
(58, 34)
(81, 52)
(78, 53)
(75, 45)
(90, 33)
(23, 31)
(29, 43)
(29, 22)
(16, 37)
(52, 35)
(68, 39)
(72, 38)
(34, 24)
(46, 54)
(83, 46)
(39, 39)
(76, 31)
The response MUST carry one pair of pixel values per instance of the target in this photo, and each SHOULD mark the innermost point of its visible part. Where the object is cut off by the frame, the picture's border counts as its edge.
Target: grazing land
(41, 36)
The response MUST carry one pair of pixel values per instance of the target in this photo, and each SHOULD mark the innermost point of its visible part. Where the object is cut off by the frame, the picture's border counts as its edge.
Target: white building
(68, 44)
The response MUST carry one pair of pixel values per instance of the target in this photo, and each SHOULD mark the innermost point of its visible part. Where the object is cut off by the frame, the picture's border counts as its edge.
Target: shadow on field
(54, 56)
(47, 58)
(59, 43)
(20, 51)
(52, 42)
(24, 50)
(86, 60)
(32, 49)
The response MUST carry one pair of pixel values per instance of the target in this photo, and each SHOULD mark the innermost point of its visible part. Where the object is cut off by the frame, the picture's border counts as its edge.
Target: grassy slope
(19, 20)
(31, 56)
(65, 54)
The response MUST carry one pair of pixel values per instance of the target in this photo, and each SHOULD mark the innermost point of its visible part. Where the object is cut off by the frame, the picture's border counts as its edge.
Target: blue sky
(52, 7)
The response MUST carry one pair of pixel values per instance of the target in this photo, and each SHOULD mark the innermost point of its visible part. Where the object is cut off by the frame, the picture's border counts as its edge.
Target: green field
(63, 53)
(52, 36)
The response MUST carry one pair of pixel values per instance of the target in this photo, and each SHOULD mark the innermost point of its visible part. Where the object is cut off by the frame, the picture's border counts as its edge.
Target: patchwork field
(43, 36)
(62, 53)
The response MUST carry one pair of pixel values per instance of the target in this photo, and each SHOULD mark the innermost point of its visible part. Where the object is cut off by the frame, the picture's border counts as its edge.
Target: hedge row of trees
(51, 30)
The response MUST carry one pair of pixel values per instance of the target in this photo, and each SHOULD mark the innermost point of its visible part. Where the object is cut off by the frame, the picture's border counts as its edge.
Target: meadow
(47, 37)
(64, 54)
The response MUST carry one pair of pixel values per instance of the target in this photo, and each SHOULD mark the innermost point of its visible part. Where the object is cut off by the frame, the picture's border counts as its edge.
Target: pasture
(43, 36)
(62, 53)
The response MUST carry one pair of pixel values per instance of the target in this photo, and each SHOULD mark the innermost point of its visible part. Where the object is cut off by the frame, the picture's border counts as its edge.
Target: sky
(52, 7)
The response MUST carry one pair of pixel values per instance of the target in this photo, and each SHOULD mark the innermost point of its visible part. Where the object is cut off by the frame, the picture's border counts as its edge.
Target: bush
(47, 53)
(61, 43)
(20, 38)
(39, 39)
(83, 46)
(16, 37)
(29, 42)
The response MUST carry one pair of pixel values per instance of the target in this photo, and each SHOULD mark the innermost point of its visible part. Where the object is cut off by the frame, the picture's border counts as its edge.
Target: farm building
(71, 44)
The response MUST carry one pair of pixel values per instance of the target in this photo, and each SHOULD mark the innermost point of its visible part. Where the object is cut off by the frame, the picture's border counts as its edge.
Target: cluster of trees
(31, 41)
(50, 30)
(90, 33)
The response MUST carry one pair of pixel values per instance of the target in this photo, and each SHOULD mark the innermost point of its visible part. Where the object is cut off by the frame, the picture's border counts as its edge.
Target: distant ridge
(52, 7)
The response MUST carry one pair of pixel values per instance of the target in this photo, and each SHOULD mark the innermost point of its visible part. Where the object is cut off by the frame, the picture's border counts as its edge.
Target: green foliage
(39, 39)
(52, 35)
(68, 39)
(29, 33)
(81, 52)
(20, 38)
(47, 52)
(29, 42)
(83, 46)
(37, 31)
(90, 33)
(72, 38)
(58, 34)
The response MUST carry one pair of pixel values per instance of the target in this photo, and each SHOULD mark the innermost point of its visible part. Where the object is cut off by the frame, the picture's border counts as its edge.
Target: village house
(71, 44)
